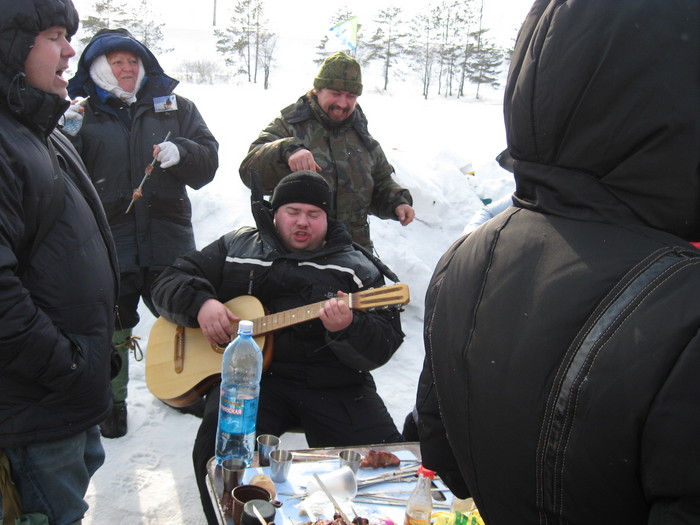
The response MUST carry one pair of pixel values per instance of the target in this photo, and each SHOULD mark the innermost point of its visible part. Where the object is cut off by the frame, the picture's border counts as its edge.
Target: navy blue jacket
(116, 143)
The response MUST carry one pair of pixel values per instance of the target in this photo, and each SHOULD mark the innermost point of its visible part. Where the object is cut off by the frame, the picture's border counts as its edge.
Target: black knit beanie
(304, 186)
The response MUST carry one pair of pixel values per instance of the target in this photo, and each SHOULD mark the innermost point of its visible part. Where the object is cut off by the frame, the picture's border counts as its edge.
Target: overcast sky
(310, 17)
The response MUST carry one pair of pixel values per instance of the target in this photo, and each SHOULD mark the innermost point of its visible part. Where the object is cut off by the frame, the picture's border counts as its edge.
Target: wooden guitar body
(181, 365)
(181, 381)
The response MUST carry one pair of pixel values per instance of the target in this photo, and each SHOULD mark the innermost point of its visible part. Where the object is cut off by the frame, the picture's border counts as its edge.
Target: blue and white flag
(345, 33)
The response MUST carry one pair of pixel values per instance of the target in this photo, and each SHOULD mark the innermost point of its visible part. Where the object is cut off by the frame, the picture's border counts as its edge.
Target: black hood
(20, 22)
(602, 112)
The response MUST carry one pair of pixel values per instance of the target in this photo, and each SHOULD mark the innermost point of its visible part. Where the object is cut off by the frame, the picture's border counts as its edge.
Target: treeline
(444, 46)
(141, 22)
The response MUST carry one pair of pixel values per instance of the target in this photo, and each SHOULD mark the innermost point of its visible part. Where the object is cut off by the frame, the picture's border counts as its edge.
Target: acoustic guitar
(181, 364)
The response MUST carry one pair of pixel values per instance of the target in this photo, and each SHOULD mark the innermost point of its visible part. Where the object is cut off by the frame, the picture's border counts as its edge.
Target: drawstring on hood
(18, 84)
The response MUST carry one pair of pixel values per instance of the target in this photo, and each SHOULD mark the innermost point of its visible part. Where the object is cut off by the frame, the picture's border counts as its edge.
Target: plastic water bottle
(240, 388)
(420, 503)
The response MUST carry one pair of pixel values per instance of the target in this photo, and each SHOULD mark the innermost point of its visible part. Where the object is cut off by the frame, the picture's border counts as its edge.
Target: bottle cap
(426, 472)
(245, 327)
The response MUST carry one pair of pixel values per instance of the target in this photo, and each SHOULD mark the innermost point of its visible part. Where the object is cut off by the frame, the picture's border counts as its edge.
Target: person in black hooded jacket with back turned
(58, 279)
(563, 336)
(131, 108)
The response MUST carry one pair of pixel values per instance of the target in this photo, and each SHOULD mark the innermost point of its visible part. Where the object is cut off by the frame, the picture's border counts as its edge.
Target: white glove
(73, 118)
(168, 155)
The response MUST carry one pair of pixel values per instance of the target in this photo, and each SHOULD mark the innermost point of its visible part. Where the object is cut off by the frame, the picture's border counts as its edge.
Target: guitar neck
(393, 295)
(270, 323)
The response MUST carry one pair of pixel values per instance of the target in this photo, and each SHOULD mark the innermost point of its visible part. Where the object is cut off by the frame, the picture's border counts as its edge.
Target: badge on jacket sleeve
(168, 103)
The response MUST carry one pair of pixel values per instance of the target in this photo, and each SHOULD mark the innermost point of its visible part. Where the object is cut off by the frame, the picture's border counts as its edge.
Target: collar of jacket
(100, 98)
(323, 117)
(307, 108)
(337, 236)
(37, 109)
(155, 84)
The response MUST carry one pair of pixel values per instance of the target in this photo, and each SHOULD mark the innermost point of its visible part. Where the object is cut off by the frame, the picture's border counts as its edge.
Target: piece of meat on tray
(379, 459)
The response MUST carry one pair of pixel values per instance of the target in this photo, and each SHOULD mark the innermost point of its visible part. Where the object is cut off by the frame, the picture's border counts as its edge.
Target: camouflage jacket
(353, 163)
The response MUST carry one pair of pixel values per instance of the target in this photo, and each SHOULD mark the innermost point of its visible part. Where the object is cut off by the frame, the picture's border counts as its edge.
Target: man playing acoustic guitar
(319, 375)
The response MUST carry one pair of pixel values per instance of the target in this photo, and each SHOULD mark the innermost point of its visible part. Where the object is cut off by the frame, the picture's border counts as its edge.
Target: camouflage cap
(340, 71)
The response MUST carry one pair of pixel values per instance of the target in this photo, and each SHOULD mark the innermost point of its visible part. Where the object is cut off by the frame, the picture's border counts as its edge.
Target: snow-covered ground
(148, 475)
(433, 144)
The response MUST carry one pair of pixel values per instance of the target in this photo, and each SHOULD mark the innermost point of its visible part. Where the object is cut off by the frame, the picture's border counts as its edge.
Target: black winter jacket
(254, 261)
(116, 142)
(562, 337)
(56, 305)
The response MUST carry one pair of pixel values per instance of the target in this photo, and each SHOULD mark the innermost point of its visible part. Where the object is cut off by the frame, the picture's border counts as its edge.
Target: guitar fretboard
(272, 322)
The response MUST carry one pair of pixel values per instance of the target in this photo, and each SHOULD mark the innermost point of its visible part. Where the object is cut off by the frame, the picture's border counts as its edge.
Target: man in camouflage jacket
(326, 131)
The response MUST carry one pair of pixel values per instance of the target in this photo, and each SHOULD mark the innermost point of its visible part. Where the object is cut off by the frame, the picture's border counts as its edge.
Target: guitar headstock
(393, 295)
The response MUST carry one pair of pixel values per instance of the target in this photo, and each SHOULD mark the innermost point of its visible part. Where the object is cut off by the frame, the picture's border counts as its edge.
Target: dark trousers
(134, 285)
(331, 417)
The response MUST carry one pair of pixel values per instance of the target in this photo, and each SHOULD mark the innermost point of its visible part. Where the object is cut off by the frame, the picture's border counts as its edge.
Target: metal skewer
(399, 475)
(389, 500)
(149, 169)
(382, 492)
(260, 516)
(332, 499)
(314, 456)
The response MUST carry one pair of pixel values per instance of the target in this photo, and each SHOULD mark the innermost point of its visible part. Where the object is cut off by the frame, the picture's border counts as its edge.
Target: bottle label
(415, 521)
(238, 414)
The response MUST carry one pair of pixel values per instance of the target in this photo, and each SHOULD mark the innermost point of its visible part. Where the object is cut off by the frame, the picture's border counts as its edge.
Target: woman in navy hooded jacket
(131, 108)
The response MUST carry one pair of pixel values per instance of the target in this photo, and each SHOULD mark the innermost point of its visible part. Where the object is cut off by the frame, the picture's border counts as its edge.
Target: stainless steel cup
(266, 444)
(280, 461)
(232, 471)
(350, 458)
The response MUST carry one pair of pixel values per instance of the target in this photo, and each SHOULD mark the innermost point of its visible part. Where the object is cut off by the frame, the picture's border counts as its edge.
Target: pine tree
(144, 28)
(467, 19)
(141, 23)
(449, 15)
(247, 40)
(108, 14)
(485, 63)
(269, 43)
(388, 42)
(441, 20)
(421, 49)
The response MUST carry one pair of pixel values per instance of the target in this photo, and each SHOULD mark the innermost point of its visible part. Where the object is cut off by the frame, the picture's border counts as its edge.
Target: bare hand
(215, 321)
(303, 159)
(335, 315)
(405, 213)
